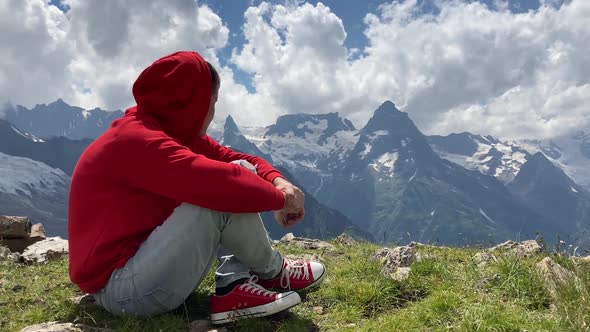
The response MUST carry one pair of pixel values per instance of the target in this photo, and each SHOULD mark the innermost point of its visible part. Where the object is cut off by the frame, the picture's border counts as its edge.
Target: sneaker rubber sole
(285, 302)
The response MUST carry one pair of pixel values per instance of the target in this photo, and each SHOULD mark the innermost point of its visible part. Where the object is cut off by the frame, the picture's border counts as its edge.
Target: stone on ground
(14, 227)
(555, 275)
(304, 243)
(396, 262)
(521, 249)
(62, 327)
(45, 251)
(345, 240)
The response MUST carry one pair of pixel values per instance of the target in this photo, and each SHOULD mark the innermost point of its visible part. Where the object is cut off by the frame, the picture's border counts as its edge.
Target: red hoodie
(148, 162)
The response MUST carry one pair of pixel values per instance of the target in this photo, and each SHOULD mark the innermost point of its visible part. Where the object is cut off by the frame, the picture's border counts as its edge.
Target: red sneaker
(250, 300)
(297, 276)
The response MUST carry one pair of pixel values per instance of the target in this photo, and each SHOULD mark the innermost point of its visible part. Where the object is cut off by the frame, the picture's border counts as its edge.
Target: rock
(288, 237)
(46, 250)
(345, 240)
(306, 257)
(401, 274)
(205, 326)
(555, 275)
(481, 259)
(62, 327)
(319, 310)
(394, 259)
(38, 230)
(7, 255)
(19, 245)
(309, 244)
(420, 244)
(35, 234)
(521, 249)
(583, 260)
(14, 227)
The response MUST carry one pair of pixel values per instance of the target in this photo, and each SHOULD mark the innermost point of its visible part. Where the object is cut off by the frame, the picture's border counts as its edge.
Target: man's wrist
(278, 180)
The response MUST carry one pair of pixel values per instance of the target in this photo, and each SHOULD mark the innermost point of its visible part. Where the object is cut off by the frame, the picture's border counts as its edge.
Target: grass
(446, 291)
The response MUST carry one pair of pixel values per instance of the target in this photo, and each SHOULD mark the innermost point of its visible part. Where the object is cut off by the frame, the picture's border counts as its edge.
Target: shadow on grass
(195, 307)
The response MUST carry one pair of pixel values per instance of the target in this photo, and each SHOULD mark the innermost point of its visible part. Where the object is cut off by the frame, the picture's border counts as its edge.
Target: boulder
(62, 327)
(7, 255)
(345, 240)
(45, 251)
(582, 260)
(19, 245)
(35, 234)
(12, 227)
(305, 257)
(521, 249)
(304, 243)
(555, 275)
(38, 230)
(393, 260)
(481, 259)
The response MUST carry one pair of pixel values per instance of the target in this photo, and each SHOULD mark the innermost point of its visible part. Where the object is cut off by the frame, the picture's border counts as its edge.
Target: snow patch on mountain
(567, 152)
(291, 150)
(386, 163)
(502, 160)
(27, 136)
(484, 214)
(23, 176)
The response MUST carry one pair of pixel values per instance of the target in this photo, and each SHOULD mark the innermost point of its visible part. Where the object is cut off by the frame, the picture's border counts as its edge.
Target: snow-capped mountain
(570, 152)
(320, 221)
(60, 119)
(32, 188)
(58, 152)
(387, 179)
(544, 187)
(503, 159)
(485, 154)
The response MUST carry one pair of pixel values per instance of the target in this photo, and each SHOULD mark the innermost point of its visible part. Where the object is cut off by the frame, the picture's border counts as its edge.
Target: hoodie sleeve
(167, 168)
(218, 152)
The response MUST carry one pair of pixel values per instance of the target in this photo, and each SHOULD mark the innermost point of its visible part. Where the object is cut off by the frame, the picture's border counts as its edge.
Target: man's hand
(288, 219)
(294, 209)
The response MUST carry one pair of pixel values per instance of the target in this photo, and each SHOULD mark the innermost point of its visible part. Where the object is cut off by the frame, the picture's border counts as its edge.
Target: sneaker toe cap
(317, 270)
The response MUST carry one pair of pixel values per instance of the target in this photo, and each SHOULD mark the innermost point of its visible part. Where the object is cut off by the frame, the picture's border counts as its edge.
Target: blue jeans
(177, 255)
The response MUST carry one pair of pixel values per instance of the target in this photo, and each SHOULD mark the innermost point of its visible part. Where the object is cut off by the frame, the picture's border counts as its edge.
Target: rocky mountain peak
(230, 126)
(300, 125)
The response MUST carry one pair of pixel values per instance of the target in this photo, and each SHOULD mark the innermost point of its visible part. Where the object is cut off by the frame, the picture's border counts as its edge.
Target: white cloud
(469, 67)
(92, 55)
(34, 51)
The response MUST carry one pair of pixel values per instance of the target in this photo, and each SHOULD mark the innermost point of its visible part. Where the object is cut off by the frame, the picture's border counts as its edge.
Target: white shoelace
(295, 269)
(252, 287)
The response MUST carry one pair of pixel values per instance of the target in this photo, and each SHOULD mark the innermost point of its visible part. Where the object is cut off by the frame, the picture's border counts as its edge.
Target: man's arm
(294, 209)
(216, 151)
(167, 168)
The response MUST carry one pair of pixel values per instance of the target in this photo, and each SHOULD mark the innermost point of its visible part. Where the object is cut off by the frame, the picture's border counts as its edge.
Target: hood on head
(176, 92)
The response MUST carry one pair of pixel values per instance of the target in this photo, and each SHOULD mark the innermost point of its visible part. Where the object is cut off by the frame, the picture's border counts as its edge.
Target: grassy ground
(446, 291)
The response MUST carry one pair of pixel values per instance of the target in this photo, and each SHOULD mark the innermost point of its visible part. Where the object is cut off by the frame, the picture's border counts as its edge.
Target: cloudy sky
(513, 69)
